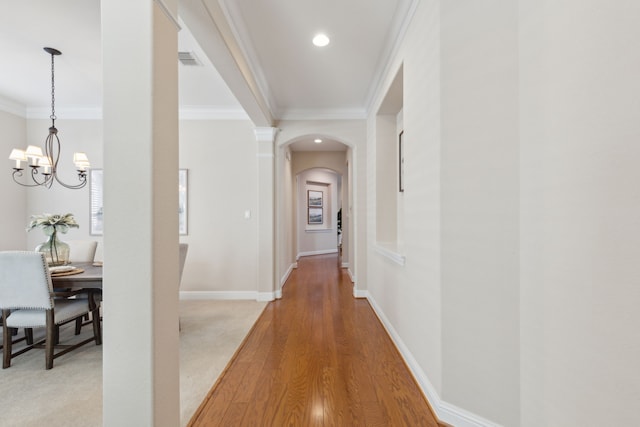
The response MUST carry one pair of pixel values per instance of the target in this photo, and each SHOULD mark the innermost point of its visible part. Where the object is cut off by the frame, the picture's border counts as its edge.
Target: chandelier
(44, 167)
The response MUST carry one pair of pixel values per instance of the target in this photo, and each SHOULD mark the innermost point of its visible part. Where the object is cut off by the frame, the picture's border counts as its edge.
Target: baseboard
(229, 295)
(287, 273)
(345, 265)
(359, 293)
(322, 252)
(351, 275)
(445, 412)
(266, 296)
(218, 295)
(451, 414)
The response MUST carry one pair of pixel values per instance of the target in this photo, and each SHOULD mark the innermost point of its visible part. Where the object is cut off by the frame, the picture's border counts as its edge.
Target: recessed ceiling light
(317, 141)
(321, 40)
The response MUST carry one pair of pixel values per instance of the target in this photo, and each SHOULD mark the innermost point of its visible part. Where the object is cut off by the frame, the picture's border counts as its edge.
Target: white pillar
(265, 137)
(140, 368)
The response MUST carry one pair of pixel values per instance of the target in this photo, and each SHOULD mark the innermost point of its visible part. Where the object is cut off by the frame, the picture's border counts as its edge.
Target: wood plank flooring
(317, 357)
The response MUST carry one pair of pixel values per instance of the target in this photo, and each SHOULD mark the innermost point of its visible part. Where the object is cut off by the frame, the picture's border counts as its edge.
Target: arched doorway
(325, 170)
(318, 200)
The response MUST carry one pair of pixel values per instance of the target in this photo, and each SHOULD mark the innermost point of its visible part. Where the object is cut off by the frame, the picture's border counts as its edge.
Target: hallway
(317, 357)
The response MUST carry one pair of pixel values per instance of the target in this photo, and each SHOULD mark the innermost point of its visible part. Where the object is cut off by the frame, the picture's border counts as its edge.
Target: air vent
(188, 58)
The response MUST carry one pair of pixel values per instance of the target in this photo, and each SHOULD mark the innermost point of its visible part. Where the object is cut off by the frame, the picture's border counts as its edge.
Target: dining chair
(27, 301)
(15, 338)
(82, 250)
(79, 251)
(99, 255)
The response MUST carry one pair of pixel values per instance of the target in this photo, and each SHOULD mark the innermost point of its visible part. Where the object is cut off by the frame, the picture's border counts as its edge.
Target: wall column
(140, 300)
(265, 137)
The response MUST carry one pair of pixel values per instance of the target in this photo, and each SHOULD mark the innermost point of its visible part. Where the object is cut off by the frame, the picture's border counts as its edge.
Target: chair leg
(52, 334)
(28, 333)
(95, 317)
(6, 341)
(79, 322)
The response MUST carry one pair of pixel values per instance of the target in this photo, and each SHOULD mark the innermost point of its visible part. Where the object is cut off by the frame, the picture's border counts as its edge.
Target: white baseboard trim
(360, 293)
(287, 273)
(461, 417)
(351, 275)
(278, 294)
(445, 412)
(266, 296)
(345, 265)
(322, 252)
(218, 295)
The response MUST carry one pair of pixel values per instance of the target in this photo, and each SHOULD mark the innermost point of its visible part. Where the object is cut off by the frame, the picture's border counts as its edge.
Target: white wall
(480, 290)
(14, 215)
(517, 304)
(221, 158)
(580, 151)
(222, 163)
(407, 297)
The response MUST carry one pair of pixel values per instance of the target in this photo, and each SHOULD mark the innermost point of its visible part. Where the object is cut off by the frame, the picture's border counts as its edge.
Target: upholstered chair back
(82, 250)
(25, 281)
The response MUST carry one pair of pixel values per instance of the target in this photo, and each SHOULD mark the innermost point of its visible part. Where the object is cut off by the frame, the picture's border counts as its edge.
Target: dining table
(89, 280)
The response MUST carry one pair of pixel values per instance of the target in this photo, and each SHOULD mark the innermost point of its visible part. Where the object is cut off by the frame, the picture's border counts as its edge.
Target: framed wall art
(315, 216)
(314, 198)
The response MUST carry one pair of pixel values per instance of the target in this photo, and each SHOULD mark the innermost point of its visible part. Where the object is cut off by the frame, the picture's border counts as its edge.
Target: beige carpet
(70, 394)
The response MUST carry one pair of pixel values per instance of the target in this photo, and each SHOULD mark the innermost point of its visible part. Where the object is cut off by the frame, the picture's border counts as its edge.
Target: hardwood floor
(317, 357)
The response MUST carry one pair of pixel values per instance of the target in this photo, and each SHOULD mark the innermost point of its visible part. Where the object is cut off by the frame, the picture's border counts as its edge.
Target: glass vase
(55, 251)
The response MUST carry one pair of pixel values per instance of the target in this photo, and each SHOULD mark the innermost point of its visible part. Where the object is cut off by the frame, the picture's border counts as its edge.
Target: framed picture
(314, 198)
(315, 216)
(401, 162)
(182, 201)
(96, 201)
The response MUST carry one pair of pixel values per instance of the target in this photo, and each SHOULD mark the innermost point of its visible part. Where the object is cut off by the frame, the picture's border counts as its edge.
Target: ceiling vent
(188, 58)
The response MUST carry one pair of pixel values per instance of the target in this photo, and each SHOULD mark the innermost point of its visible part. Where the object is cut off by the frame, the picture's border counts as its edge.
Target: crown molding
(12, 107)
(325, 114)
(95, 113)
(63, 113)
(390, 52)
(240, 32)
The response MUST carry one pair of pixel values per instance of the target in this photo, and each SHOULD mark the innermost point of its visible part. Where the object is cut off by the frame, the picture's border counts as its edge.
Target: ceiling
(269, 69)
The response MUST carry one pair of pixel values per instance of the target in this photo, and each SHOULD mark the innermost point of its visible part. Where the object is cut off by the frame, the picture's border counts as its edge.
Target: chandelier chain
(53, 91)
